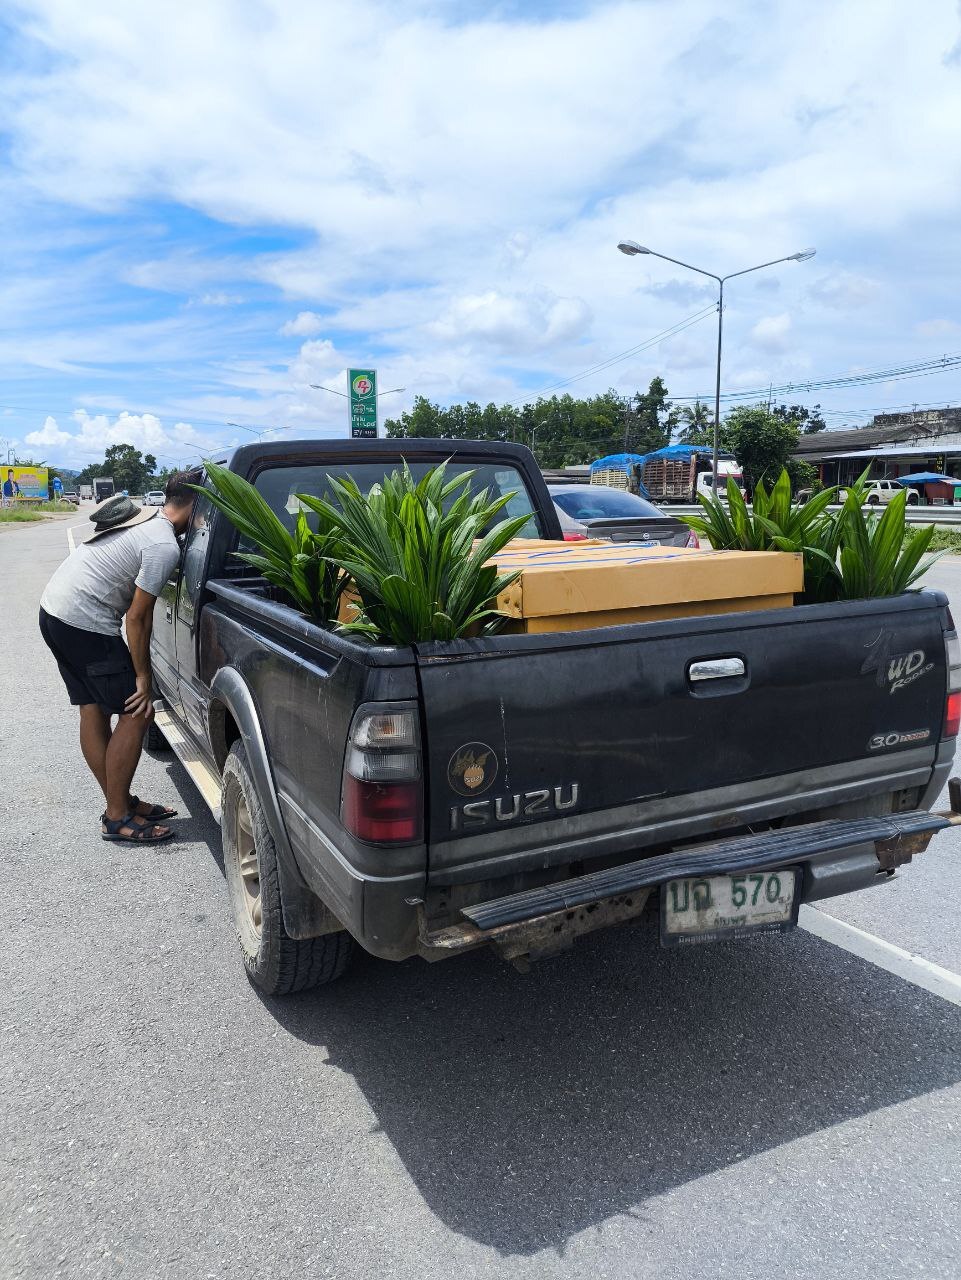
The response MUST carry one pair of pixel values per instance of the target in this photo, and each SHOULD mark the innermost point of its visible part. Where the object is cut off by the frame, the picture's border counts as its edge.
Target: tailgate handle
(716, 669)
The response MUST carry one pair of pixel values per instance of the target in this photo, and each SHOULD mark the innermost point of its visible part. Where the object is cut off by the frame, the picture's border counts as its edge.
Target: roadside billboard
(24, 484)
(363, 403)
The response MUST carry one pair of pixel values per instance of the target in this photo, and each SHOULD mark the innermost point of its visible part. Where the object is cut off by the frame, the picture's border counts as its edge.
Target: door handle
(716, 669)
(170, 613)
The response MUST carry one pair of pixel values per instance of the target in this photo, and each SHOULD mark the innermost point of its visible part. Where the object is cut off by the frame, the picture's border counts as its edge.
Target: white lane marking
(903, 964)
(70, 542)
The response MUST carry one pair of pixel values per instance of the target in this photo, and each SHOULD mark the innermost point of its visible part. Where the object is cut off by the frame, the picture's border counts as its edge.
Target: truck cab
(705, 479)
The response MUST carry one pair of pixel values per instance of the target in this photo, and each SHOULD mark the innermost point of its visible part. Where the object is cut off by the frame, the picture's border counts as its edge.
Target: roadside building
(894, 445)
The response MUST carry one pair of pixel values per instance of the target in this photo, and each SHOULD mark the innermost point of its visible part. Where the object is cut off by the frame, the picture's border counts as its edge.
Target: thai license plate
(712, 908)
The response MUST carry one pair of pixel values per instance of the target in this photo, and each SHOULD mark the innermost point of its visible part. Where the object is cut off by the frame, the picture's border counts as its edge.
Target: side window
(194, 558)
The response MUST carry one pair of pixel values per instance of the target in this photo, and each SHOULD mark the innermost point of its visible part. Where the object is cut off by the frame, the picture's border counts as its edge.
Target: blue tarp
(619, 462)
(926, 477)
(625, 462)
(685, 452)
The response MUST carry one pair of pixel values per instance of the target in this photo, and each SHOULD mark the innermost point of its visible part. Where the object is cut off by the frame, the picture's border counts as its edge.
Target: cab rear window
(280, 486)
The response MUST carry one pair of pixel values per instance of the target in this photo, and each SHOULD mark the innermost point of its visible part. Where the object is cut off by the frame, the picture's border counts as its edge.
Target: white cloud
(93, 434)
(218, 299)
(49, 434)
(939, 328)
(771, 332)
(846, 291)
(510, 322)
(306, 325)
(455, 221)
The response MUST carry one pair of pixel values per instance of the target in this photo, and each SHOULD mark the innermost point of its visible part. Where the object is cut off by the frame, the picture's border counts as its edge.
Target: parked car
(596, 511)
(155, 498)
(517, 791)
(881, 492)
(70, 495)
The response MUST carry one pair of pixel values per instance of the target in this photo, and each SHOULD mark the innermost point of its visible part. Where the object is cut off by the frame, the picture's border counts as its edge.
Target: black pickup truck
(519, 790)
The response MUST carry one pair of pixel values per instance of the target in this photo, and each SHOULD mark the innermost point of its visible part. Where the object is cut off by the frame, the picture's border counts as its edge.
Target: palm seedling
(773, 523)
(877, 557)
(847, 554)
(417, 554)
(303, 564)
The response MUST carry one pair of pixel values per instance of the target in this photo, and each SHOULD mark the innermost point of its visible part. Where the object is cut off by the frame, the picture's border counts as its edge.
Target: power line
(918, 369)
(623, 355)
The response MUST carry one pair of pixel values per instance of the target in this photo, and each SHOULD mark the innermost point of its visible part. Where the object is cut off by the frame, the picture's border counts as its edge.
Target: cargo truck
(519, 790)
(676, 473)
(102, 488)
(684, 480)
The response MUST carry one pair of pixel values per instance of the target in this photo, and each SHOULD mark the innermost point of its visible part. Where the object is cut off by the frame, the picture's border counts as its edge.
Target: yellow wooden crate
(574, 586)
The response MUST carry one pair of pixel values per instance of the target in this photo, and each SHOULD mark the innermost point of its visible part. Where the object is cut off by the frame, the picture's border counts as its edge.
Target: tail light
(575, 537)
(693, 541)
(952, 707)
(382, 799)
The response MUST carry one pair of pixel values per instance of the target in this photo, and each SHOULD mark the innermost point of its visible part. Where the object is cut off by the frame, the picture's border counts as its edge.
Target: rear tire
(277, 963)
(873, 500)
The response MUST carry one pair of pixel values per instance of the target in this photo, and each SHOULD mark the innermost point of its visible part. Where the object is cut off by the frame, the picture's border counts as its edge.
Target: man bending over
(116, 576)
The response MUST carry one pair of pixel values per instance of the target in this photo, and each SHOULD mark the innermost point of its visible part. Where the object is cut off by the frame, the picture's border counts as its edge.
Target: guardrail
(950, 516)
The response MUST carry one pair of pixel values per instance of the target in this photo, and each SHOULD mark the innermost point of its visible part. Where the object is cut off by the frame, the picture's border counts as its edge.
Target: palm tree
(698, 422)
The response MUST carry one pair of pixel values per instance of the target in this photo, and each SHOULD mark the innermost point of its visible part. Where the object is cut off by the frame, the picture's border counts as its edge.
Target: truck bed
(600, 744)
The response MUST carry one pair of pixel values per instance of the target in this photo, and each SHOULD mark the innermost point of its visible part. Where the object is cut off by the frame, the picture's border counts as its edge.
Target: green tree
(698, 423)
(128, 467)
(423, 421)
(807, 420)
(650, 429)
(761, 441)
(561, 430)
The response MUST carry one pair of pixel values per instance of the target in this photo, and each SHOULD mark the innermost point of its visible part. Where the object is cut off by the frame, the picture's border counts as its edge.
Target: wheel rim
(249, 867)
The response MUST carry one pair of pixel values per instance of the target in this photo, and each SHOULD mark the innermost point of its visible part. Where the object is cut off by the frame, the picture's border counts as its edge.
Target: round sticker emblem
(472, 769)
(362, 385)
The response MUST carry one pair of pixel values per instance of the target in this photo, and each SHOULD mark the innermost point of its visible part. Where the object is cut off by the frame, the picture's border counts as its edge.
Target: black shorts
(95, 668)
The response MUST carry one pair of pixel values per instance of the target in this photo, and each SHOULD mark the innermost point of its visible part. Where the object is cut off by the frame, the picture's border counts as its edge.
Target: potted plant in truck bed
(849, 553)
(412, 554)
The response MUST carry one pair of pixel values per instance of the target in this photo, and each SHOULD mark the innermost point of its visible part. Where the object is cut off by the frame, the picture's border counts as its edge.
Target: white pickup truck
(882, 491)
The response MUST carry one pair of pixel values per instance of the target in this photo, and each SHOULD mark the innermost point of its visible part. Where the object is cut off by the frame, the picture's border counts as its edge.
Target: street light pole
(717, 386)
(631, 248)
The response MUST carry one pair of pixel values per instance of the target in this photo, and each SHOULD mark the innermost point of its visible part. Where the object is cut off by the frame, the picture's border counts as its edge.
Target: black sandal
(113, 831)
(157, 813)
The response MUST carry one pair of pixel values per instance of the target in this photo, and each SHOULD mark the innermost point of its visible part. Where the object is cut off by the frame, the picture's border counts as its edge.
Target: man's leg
(122, 757)
(94, 739)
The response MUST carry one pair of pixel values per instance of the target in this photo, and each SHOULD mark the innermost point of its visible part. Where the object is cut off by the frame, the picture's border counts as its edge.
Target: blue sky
(200, 218)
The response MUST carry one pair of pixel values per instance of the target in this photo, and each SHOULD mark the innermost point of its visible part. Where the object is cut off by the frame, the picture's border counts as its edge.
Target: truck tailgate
(550, 749)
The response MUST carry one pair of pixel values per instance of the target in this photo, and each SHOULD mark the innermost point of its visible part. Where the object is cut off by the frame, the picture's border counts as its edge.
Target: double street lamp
(632, 248)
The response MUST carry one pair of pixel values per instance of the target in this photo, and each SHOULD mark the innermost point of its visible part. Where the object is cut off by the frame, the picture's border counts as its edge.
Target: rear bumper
(835, 856)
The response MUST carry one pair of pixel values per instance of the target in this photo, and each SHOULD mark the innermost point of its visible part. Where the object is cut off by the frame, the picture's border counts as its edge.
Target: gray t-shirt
(94, 586)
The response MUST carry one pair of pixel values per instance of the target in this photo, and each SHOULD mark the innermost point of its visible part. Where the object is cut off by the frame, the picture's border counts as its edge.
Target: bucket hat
(117, 512)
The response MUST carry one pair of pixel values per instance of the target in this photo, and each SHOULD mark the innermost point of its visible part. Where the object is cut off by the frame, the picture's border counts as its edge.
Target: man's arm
(139, 622)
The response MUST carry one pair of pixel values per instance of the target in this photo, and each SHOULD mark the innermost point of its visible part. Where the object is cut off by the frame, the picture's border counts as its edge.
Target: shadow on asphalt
(527, 1109)
(195, 825)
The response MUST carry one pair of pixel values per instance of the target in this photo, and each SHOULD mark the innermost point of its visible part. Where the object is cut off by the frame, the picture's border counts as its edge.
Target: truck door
(163, 653)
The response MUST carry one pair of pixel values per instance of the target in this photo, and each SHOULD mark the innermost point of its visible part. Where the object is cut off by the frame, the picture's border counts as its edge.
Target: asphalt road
(778, 1108)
